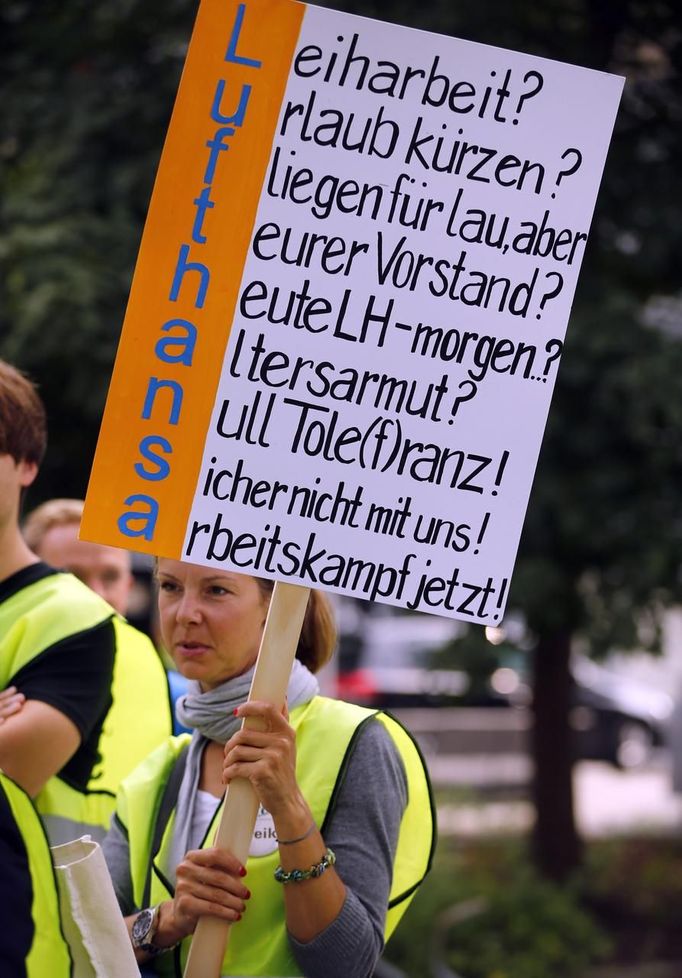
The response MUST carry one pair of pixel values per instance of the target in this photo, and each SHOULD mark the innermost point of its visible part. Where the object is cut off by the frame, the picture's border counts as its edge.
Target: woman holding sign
(345, 830)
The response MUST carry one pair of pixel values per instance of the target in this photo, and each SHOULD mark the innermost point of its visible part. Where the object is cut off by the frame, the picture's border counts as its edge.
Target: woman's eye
(167, 586)
(218, 590)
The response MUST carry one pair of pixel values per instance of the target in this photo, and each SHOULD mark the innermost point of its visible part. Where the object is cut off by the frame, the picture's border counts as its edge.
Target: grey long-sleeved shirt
(363, 832)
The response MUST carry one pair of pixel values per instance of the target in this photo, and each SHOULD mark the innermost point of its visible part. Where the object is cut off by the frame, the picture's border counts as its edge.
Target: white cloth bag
(91, 919)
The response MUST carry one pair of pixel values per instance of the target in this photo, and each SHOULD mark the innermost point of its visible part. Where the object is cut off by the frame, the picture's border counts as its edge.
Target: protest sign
(349, 306)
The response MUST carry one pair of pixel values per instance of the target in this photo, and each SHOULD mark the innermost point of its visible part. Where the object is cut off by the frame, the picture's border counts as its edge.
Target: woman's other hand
(209, 883)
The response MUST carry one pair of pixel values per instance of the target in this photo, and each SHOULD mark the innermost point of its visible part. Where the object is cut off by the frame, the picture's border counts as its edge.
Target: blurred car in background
(615, 717)
(393, 661)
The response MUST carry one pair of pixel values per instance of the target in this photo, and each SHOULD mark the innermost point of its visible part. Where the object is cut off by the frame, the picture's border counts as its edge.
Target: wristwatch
(144, 928)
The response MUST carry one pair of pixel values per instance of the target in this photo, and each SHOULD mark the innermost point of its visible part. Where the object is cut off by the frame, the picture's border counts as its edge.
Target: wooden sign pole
(270, 682)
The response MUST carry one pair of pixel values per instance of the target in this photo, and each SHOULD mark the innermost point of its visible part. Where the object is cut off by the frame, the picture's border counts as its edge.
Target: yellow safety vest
(49, 953)
(41, 615)
(258, 944)
(140, 716)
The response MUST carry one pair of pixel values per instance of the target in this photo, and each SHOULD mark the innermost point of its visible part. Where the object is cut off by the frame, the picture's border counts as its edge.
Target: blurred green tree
(87, 91)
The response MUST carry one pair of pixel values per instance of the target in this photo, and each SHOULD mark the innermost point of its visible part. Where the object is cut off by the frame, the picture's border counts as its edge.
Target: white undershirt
(205, 807)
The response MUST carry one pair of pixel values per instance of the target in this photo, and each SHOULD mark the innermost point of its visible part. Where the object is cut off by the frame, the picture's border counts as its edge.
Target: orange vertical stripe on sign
(188, 273)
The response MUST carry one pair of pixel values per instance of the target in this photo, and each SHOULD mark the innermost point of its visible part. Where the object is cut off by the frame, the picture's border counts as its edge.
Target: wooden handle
(270, 682)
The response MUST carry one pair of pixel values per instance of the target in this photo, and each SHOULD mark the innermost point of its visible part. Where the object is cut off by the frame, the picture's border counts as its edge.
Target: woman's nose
(189, 609)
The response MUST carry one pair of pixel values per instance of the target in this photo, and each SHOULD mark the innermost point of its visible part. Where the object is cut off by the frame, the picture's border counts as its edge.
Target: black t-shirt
(73, 675)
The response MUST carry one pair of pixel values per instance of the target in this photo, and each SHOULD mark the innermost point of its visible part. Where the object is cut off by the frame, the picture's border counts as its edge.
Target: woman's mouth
(191, 650)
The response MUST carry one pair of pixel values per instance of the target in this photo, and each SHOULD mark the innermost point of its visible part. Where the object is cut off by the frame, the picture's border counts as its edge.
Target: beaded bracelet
(296, 875)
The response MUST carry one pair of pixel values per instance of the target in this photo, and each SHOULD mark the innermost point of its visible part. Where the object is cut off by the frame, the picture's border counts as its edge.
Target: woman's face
(211, 620)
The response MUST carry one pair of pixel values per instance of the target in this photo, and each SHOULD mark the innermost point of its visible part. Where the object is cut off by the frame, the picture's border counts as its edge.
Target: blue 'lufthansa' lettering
(179, 345)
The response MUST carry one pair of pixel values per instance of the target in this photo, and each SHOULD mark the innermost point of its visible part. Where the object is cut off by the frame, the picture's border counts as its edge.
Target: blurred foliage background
(86, 93)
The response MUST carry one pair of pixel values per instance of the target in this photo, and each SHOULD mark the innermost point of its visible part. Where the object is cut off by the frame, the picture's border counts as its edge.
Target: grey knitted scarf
(211, 715)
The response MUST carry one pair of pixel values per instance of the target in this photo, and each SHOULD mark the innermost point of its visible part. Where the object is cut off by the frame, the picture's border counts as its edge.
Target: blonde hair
(55, 512)
(317, 640)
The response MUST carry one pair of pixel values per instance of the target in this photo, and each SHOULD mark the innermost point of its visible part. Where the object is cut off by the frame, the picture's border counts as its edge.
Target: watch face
(141, 926)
